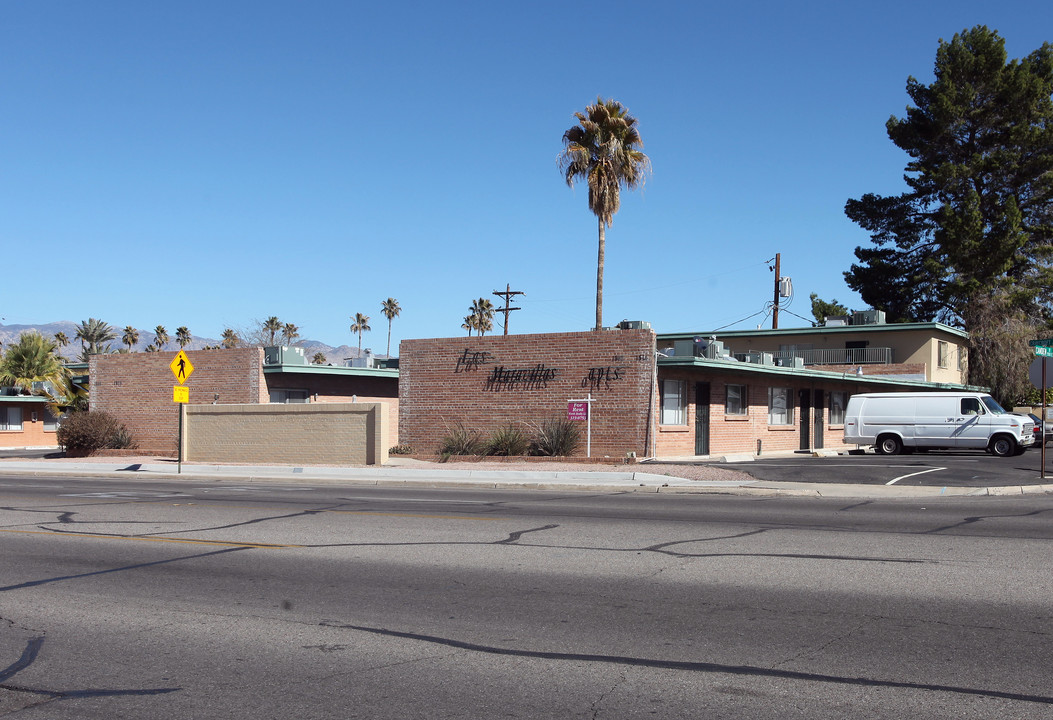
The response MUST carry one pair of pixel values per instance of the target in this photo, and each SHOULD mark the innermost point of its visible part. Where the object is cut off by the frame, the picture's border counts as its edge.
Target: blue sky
(210, 164)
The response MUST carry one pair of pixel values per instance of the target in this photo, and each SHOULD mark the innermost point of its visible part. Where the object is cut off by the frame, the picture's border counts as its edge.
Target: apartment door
(817, 419)
(702, 418)
(804, 402)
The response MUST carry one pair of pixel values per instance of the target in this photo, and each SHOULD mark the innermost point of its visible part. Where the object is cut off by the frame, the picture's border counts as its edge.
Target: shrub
(82, 433)
(459, 440)
(401, 450)
(556, 437)
(508, 440)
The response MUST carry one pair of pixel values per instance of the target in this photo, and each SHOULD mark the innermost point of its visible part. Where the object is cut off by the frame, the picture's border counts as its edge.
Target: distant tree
(272, 326)
(390, 308)
(603, 150)
(61, 340)
(95, 336)
(359, 326)
(183, 336)
(151, 348)
(482, 312)
(230, 339)
(821, 309)
(161, 336)
(468, 324)
(131, 336)
(289, 333)
(33, 359)
(319, 358)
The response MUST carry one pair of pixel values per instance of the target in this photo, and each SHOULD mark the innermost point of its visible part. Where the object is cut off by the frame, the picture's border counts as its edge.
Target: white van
(902, 422)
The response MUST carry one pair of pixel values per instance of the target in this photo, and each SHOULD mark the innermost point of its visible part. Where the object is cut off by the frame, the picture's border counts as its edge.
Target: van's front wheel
(1002, 445)
(889, 445)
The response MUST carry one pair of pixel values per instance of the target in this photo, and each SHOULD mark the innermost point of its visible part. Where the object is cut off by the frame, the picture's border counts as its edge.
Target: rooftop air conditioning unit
(868, 317)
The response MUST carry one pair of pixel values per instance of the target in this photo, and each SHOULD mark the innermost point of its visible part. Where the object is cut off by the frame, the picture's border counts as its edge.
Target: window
(838, 400)
(673, 406)
(943, 351)
(10, 418)
(736, 401)
(780, 406)
(971, 406)
(51, 422)
(289, 396)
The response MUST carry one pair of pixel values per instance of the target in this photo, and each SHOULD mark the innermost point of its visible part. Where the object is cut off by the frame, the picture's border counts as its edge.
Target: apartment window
(735, 403)
(289, 396)
(838, 400)
(10, 418)
(51, 422)
(943, 351)
(673, 405)
(780, 406)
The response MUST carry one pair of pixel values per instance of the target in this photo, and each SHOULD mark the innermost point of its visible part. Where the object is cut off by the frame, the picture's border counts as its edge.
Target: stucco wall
(293, 434)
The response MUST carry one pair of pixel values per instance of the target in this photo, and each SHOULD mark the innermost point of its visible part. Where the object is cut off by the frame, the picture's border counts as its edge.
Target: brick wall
(32, 433)
(293, 434)
(136, 388)
(488, 382)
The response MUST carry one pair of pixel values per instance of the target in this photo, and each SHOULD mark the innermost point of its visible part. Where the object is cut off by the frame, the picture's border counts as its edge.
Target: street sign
(1043, 351)
(1045, 342)
(180, 394)
(181, 367)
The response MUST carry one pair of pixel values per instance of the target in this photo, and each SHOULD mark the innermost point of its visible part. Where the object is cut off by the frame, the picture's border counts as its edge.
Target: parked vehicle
(902, 422)
(1043, 431)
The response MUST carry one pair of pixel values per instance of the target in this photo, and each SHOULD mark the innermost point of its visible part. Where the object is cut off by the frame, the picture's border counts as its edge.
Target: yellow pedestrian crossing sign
(180, 394)
(181, 367)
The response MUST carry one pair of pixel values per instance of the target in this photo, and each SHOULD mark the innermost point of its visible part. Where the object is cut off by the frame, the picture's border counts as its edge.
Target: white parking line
(893, 481)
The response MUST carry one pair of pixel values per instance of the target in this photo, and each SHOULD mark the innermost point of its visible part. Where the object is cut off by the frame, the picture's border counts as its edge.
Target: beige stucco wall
(293, 434)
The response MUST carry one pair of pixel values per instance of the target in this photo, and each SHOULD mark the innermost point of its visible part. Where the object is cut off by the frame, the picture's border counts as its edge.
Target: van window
(993, 405)
(971, 406)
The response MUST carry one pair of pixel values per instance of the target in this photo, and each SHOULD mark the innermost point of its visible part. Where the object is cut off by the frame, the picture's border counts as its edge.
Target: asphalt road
(933, 468)
(190, 599)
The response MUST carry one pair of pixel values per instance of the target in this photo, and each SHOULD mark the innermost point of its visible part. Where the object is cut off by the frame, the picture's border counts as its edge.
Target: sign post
(182, 368)
(582, 410)
(1043, 349)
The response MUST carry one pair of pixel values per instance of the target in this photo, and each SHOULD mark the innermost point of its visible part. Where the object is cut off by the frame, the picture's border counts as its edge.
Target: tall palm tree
(390, 309)
(359, 326)
(483, 314)
(468, 324)
(603, 149)
(289, 333)
(33, 360)
(273, 326)
(95, 336)
(182, 336)
(130, 337)
(319, 358)
(61, 341)
(230, 339)
(162, 337)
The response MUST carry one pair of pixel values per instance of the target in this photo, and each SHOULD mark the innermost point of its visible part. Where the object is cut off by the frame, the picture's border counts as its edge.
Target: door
(972, 424)
(817, 419)
(702, 418)
(804, 401)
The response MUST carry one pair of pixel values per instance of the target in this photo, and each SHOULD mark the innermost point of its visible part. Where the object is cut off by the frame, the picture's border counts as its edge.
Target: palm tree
(151, 348)
(182, 336)
(359, 326)
(272, 326)
(162, 336)
(483, 314)
(319, 358)
(131, 336)
(289, 333)
(33, 360)
(61, 340)
(230, 339)
(604, 151)
(468, 324)
(390, 308)
(95, 336)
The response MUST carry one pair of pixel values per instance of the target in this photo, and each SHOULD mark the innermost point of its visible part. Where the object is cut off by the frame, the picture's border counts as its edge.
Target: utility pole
(507, 294)
(775, 307)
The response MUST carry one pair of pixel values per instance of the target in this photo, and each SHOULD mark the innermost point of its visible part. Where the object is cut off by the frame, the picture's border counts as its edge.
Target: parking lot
(942, 468)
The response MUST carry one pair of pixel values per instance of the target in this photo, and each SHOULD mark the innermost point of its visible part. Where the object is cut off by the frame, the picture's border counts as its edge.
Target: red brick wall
(32, 433)
(136, 388)
(488, 382)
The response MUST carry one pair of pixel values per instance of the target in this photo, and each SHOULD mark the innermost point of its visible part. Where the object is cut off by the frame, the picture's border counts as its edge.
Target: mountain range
(10, 333)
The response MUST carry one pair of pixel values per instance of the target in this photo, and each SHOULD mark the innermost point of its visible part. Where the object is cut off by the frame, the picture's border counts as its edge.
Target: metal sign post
(1043, 349)
(582, 410)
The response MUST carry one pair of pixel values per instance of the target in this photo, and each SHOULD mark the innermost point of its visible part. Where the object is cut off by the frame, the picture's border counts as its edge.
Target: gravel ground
(688, 472)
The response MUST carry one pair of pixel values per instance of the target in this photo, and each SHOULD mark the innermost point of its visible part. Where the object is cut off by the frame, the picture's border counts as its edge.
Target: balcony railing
(826, 356)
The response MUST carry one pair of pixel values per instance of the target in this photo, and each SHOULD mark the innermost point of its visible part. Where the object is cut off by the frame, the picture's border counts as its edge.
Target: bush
(459, 440)
(508, 440)
(556, 437)
(401, 450)
(82, 433)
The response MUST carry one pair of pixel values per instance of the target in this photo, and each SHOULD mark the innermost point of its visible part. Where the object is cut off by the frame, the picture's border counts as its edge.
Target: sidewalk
(643, 477)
